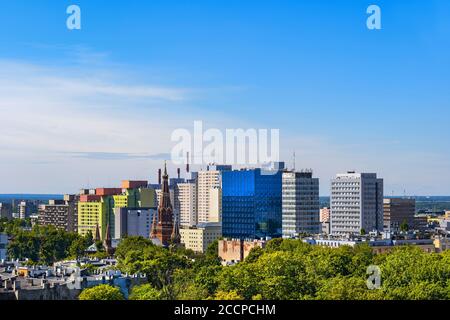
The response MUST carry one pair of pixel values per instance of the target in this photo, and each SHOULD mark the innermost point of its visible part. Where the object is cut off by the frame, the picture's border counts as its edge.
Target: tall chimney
(159, 176)
(187, 163)
(179, 173)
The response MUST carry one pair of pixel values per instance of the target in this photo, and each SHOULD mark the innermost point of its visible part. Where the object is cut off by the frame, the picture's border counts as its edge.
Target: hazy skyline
(95, 106)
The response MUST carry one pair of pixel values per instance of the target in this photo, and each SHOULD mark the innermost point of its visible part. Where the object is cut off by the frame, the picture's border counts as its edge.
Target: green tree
(404, 226)
(78, 247)
(145, 292)
(230, 295)
(101, 292)
(42, 244)
(139, 255)
(131, 244)
(347, 288)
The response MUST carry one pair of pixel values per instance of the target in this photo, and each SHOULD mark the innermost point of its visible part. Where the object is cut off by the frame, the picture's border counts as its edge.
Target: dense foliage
(42, 244)
(285, 269)
(101, 292)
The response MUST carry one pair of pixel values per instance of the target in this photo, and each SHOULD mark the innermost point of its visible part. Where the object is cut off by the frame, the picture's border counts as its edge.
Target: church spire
(108, 241)
(97, 233)
(165, 192)
(153, 232)
(163, 224)
(175, 237)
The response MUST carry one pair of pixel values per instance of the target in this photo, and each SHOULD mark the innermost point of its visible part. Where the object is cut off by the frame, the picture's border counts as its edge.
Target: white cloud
(66, 128)
(63, 128)
(49, 113)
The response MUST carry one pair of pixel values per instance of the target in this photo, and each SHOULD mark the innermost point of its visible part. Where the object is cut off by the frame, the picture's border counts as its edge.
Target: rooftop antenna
(293, 159)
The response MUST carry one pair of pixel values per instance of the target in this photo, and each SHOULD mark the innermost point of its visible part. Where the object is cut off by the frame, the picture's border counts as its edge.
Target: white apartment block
(209, 196)
(23, 210)
(356, 203)
(187, 199)
(300, 204)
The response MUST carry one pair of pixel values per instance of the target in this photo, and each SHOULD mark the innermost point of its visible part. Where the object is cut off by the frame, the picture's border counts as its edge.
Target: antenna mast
(293, 159)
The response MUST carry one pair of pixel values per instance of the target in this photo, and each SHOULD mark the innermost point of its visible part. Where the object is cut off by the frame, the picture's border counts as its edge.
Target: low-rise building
(377, 245)
(325, 215)
(441, 243)
(199, 237)
(444, 224)
(326, 227)
(64, 281)
(232, 251)
(420, 222)
(398, 212)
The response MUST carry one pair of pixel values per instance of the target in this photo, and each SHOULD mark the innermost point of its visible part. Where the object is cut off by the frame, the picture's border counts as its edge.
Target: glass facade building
(251, 204)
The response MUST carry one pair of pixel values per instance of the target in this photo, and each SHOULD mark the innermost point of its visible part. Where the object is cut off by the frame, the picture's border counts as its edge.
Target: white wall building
(133, 222)
(198, 238)
(356, 203)
(187, 199)
(300, 204)
(210, 194)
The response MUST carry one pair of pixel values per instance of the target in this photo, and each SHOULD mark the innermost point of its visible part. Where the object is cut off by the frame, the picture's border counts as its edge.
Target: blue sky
(343, 96)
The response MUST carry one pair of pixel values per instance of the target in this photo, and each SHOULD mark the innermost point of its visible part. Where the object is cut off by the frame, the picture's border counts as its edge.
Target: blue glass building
(251, 204)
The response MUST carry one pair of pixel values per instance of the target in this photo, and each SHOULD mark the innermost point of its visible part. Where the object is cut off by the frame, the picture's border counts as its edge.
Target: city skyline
(94, 106)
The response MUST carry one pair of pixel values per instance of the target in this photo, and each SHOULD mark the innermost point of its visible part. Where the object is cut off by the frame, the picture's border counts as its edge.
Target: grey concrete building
(63, 214)
(300, 204)
(356, 203)
(3, 246)
(5, 210)
(133, 222)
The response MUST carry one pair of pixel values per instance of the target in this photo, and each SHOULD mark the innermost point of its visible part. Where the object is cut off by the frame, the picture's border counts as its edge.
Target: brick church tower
(165, 230)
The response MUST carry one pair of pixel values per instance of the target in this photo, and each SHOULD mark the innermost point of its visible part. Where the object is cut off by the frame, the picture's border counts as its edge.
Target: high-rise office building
(209, 185)
(63, 214)
(398, 211)
(251, 203)
(96, 206)
(300, 211)
(26, 209)
(5, 210)
(94, 211)
(187, 199)
(356, 203)
(133, 222)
